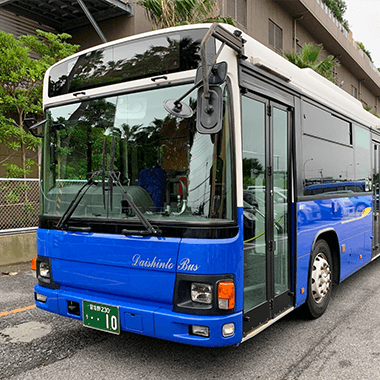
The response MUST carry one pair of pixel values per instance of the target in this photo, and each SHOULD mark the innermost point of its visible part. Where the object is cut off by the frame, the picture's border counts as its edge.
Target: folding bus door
(266, 126)
(376, 200)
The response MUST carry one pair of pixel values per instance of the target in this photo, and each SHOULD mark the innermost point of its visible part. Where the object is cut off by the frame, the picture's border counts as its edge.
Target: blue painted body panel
(138, 274)
(350, 218)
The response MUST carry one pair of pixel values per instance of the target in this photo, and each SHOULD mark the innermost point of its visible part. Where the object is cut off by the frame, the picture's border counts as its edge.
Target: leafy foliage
(360, 44)
(338, 7)
(21, 89)
(309, 58)
(167, 13)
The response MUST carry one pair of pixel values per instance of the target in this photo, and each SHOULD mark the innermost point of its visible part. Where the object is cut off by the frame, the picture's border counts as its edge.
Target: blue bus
(349, 186)
(174, 187)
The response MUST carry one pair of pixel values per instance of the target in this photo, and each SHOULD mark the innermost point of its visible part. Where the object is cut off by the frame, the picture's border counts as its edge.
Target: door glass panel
(280, 199)
(253, 120)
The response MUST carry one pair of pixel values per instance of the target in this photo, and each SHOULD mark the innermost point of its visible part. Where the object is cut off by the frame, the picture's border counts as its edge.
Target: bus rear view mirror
(35, 127)
(209, 111)
(217, 73)
(178, 109)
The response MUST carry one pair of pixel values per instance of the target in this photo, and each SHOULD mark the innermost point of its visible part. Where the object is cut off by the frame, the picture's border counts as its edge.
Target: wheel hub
(320, 278)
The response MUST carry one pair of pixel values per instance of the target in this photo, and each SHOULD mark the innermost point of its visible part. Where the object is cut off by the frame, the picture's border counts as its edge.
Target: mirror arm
(196, 85)
(206, 71)
(35, 126)
(206, 89)
(213, 31)
(178, 101)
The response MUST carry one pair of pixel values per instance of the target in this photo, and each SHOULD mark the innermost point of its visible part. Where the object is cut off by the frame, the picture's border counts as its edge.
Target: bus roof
(305, 80)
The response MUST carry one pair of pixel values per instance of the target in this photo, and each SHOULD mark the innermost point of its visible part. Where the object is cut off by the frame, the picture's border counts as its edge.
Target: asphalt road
(343, 344)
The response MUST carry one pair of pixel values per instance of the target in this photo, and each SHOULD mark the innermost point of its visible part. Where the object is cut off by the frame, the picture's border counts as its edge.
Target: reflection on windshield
(127, 61)
(168, 169)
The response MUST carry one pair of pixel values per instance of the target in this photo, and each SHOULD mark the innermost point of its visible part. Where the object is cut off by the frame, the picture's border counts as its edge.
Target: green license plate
(101, 317)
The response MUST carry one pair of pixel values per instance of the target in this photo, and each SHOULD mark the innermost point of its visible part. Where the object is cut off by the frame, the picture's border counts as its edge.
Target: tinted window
(128, 61)
(332, 161)
(362, 153)
(320, 123)
(325, 162)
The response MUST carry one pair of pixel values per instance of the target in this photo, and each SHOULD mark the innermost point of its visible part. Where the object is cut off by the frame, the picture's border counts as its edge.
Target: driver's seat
(154, 182)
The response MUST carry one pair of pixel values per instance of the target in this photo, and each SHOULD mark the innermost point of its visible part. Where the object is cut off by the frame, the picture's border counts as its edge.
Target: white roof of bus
(309, 82)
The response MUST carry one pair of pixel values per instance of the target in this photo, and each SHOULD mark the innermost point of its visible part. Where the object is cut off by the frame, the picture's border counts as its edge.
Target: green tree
(309, 57)
(167, 13)
(21, 90)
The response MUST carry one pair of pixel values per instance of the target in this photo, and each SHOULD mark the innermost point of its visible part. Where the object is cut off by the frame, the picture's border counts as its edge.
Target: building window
(354, 92)
(298, 48)
(237, 9)
(275, 36)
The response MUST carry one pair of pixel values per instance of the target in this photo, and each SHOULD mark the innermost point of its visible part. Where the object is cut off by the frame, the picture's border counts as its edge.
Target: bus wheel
(320, 279)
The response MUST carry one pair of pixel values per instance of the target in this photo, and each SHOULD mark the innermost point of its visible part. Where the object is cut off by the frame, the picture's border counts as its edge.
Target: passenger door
(266, 127)
(376, 200)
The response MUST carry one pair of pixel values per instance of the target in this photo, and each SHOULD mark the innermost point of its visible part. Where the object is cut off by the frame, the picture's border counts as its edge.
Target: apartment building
(282, 25)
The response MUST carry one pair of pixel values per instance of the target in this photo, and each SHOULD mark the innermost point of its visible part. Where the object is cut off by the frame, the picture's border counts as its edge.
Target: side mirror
(35, 126)
(217, 75)
(177, 108)
(210, 110)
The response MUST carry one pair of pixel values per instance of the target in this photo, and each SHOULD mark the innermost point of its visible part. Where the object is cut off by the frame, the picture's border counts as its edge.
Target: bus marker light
(34, 264)
(228, 329)
(226, 295)
(343, 247)
(302, 290)
(200, 330)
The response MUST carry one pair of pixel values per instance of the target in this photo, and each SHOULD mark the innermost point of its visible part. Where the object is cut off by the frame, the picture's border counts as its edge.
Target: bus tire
(320, 279)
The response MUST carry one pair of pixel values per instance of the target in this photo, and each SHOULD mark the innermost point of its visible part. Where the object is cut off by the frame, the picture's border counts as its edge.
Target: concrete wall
(112, 29)
(17, 248)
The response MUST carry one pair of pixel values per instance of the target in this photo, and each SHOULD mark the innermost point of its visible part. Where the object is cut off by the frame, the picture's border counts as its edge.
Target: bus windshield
(126, 61)
(133, 149)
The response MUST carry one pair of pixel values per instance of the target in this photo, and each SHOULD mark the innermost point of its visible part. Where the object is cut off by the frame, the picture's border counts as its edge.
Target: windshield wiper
(150, 229)
(112, 178)
(62, 223)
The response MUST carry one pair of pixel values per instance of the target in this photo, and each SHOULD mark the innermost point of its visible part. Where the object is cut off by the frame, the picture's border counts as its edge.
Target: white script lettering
(154, 263)
(185, 264)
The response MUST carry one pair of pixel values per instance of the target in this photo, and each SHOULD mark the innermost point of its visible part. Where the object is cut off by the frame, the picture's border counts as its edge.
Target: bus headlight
(44, 269)
(201, 293)
(204, 294)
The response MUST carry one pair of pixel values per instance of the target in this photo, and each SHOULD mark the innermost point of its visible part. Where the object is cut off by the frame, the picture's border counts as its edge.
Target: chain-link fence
(19, 203)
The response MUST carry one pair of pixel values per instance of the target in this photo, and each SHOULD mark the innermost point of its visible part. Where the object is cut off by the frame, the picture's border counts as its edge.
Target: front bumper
(146, 319)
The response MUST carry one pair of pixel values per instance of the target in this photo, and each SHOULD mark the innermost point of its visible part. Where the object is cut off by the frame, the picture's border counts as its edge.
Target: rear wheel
(320, 279)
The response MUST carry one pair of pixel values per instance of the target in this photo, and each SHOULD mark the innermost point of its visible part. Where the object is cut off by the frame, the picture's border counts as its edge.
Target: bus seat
(154, 182)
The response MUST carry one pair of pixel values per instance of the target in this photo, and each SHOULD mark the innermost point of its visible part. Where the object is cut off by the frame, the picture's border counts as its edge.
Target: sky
(363, 17)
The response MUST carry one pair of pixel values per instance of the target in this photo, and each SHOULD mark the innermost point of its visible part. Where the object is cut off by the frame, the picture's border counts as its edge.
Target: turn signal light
(34, 264)
(226, 295)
